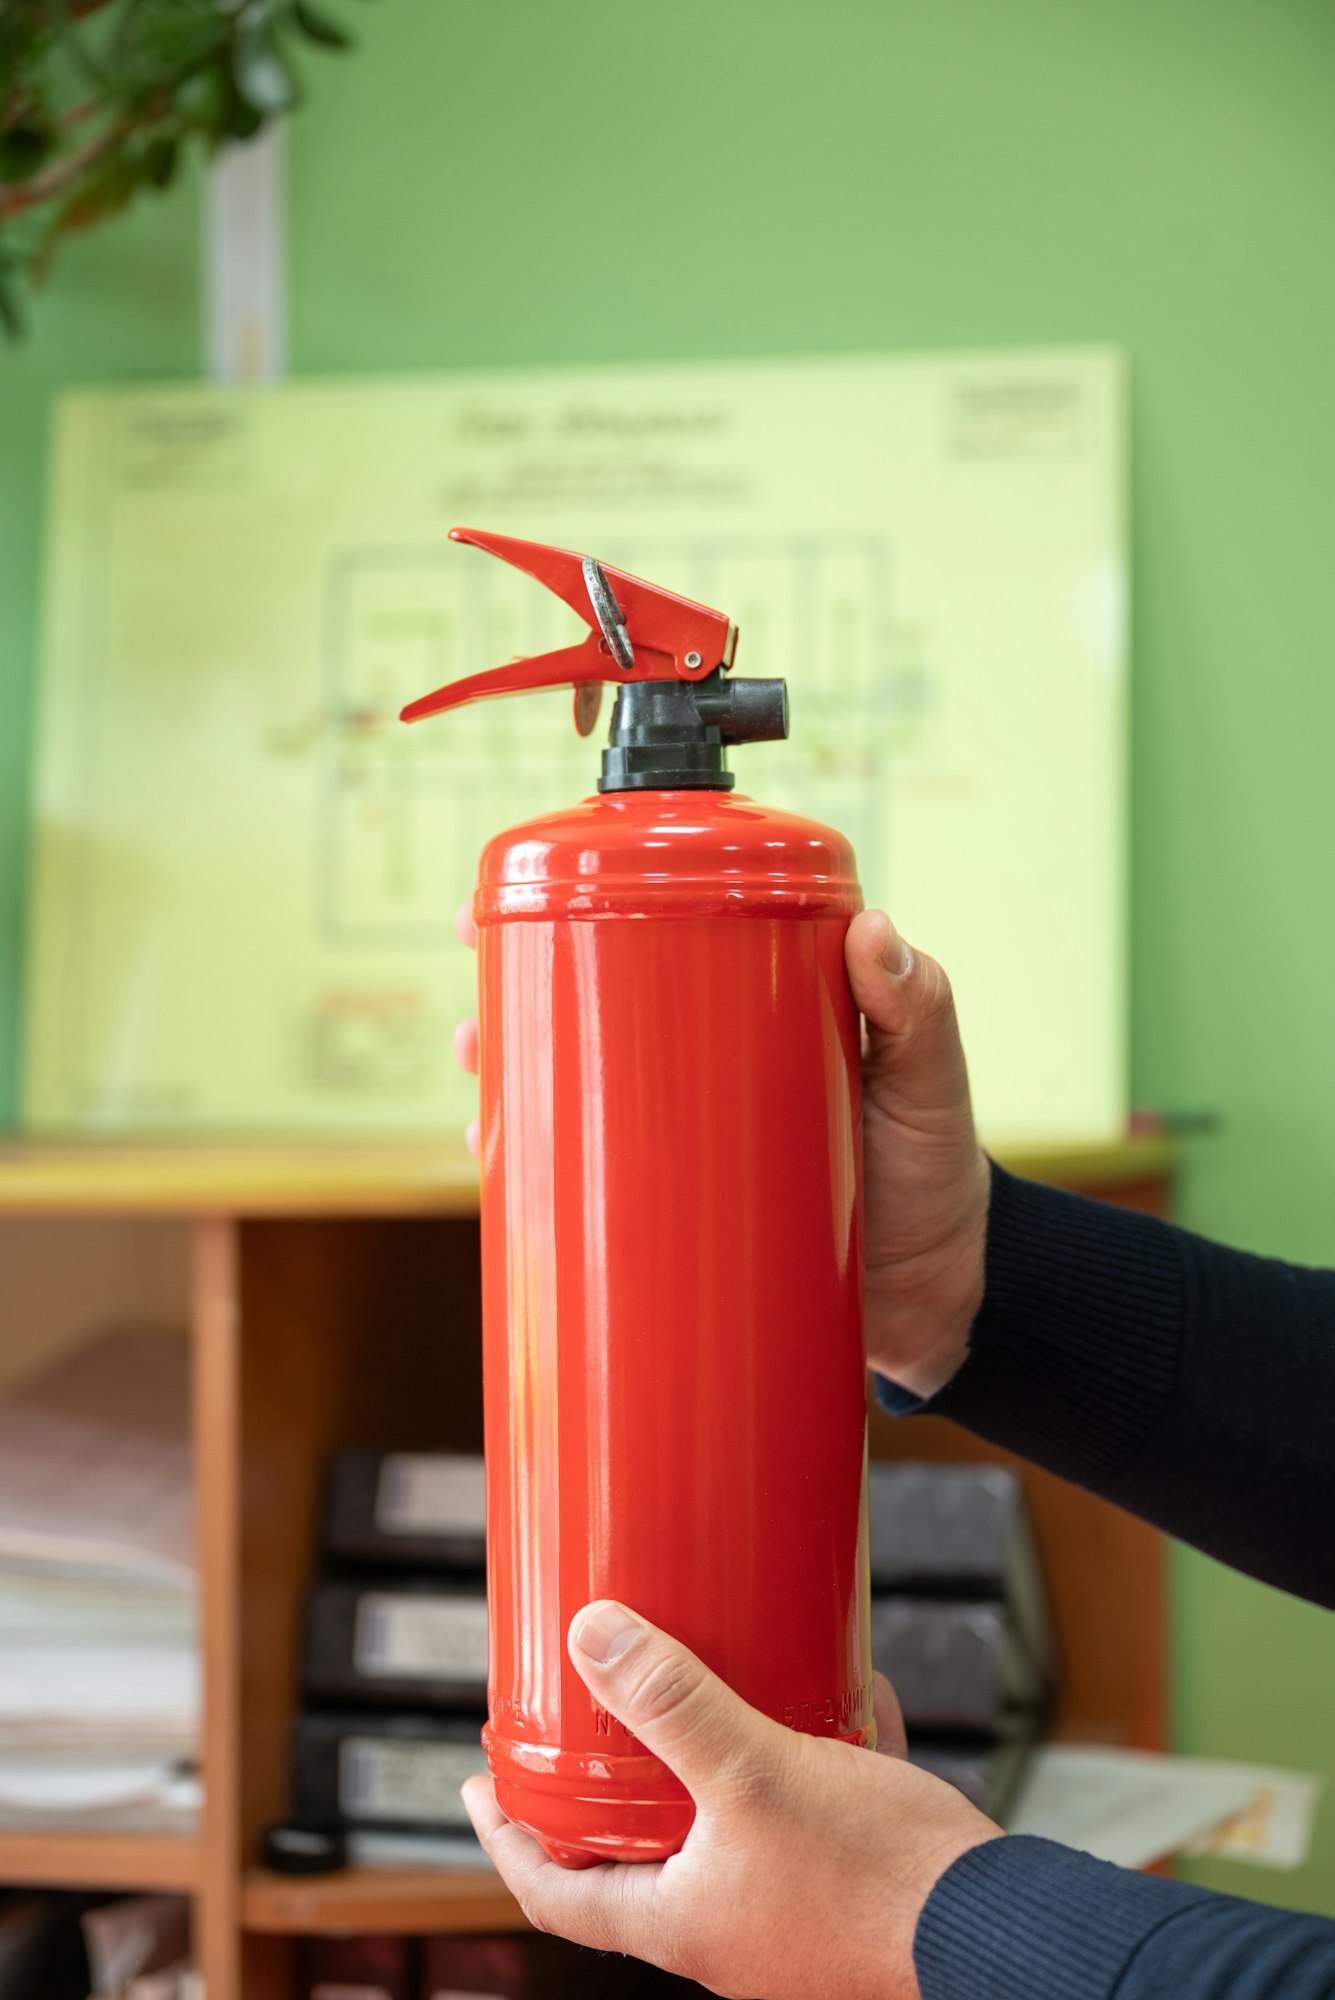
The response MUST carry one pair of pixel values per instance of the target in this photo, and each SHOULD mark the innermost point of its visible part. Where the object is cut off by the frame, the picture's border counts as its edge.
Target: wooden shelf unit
(335, 1302)
(402, 1901)
(164, 1862)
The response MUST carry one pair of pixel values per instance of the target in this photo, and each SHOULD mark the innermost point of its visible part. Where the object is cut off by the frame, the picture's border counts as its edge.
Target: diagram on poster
(246, 869)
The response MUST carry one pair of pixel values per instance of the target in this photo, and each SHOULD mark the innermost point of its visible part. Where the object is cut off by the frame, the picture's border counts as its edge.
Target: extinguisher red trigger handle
(637, 632)
(572, 666)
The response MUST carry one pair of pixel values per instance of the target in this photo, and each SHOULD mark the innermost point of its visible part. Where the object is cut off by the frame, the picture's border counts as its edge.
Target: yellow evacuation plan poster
(246, 869)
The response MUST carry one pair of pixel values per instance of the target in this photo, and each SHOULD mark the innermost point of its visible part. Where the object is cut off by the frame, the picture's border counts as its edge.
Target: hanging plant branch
(100, 100)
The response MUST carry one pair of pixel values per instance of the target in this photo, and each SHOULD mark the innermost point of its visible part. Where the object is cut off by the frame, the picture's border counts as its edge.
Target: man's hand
(927, 1180)
(808, 1862)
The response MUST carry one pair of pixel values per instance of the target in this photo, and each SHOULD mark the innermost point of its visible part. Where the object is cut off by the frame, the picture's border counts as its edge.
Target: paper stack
(99, 1676)
(1137, 1807)
(138, 1949)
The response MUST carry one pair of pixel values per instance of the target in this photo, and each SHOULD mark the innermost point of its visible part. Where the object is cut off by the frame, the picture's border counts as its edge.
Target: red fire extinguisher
(671, 1222)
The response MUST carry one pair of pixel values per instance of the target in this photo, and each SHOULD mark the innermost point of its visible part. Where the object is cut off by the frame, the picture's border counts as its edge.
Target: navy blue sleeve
(1195, 1386)
(1025, 1919)
(1191, 1384)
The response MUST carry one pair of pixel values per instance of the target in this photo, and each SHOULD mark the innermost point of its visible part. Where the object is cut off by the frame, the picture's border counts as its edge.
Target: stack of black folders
(395, 1662)
(959, 1622)
(395, 1682)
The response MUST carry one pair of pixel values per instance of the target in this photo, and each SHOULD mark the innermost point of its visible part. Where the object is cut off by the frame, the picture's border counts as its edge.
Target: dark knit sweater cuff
(1074, 1354)
(1027, 1919)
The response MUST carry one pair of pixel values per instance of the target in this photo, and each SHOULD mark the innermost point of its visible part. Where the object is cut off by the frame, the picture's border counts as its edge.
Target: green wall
(122, 307)
(524, 182)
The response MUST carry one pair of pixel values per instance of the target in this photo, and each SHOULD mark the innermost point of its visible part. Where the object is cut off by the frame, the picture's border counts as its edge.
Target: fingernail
(896, 956)
(605, 1632)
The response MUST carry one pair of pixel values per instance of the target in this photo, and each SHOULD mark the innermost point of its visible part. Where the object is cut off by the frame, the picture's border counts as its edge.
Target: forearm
(1191, 1384)
(1023, 1919)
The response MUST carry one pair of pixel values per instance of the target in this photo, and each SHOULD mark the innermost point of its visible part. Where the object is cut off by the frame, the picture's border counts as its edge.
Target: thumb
(914, 1053)
(670, 1700)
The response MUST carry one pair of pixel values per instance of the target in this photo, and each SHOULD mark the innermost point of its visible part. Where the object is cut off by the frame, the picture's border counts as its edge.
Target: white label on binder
(421, 1493)
(431, 1638)
(382, 1779)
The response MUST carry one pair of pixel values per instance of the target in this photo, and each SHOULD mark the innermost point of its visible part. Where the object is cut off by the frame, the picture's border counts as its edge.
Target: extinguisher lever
(638, 632)
(570, 665)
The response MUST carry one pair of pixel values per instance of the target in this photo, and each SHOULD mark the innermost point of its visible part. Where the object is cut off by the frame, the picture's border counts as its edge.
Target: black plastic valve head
(671, 735)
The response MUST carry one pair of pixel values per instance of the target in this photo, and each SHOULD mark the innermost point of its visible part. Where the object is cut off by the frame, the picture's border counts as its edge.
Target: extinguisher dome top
(666, 853)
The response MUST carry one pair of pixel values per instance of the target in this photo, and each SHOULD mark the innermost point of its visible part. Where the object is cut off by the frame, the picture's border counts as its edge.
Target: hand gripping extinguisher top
(671, 1222)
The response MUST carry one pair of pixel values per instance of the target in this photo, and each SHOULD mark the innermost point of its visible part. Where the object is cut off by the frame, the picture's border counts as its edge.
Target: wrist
(937, 1852)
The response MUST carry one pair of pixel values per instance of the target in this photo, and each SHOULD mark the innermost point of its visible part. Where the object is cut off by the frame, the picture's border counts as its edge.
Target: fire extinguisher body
(672, 1284)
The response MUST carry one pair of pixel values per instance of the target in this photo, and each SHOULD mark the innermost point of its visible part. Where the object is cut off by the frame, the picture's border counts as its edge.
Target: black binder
(388, 1773)
(957, 1665)
(405, 1509)
(959, 1531)
(397, 1644)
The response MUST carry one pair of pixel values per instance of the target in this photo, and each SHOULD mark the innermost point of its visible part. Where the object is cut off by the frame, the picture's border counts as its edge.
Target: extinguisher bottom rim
(586, 1806)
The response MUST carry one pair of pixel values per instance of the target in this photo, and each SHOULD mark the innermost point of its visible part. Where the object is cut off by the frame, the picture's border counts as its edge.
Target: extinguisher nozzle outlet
(671, 735)
(758, 712)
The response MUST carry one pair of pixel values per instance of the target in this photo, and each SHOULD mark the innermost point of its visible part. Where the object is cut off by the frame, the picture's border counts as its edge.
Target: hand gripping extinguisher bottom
(672, 1285)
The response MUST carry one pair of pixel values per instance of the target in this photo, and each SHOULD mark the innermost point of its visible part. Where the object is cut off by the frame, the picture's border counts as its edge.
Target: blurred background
(514, 185)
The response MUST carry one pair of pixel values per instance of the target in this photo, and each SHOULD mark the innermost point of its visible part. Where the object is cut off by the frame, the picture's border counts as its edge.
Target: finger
(891, 1740)
(913, 1039)
(465, 1045)
(464, 927)
(716, 1744)
(611, 1908)
(473, 1137)
(479, 1797)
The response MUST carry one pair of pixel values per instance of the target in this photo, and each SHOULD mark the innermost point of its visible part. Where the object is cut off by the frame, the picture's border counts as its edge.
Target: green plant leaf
(204, 99)
(153, 76)
(16, 47)
(24, 150)
(318, 27)
(243, 121)
(261, 72)
(164, 39)
(161, 156)
(104, 193)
